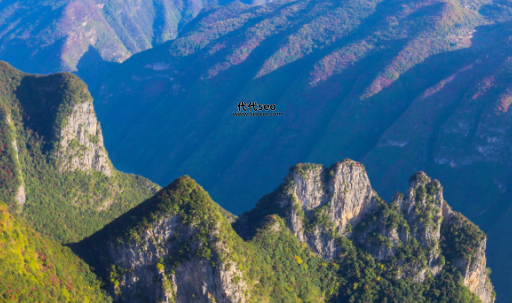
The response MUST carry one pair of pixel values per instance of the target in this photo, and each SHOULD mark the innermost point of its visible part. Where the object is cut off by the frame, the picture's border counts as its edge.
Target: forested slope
(35, 269)
(54, 170)
(88, 36)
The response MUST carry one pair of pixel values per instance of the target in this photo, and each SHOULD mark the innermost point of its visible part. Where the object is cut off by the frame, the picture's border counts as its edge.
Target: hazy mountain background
(85, 36)
(399, 85)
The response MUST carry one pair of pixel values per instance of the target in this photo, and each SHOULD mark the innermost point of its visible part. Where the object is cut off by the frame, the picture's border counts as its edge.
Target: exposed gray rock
(422, 208)
(81, 142)
(474, 271)
(342, 193)
(143, 278)
(475, 276)
(20, 196)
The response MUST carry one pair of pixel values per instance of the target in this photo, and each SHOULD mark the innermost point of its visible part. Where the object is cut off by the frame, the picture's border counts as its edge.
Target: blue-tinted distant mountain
(48, 36)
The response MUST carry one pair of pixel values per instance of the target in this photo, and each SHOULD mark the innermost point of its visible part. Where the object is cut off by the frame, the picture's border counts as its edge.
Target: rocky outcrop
(422, 208)
(81, 142)
(139, 272)
(175, 247)
(20, 195)
(413, 220)
(323, 203)
(475, 274)
(380, 238)
(468, 255)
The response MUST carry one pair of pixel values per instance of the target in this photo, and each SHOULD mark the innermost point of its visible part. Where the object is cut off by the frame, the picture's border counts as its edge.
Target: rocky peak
(344, 189)
(320, 203)
(422, 207)
(70, 127)
(467, 253)
(173, 247)
(323, 206)
(81, 142)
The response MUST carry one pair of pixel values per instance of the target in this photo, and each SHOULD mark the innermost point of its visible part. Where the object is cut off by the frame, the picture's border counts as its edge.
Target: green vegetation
(303, 168)
(275, 266)
(67, 206)
(400, 85)
(462, 239)
(289, 270)
(35, 269)
(363, 279)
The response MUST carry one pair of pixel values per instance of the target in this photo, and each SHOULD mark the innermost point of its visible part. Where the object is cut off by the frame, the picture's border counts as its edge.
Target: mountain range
(87, 37)
(400, 86)
(74, 229)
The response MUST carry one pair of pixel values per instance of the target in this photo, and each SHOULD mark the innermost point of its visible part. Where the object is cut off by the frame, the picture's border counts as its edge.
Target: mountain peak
(52, 151)
(69, 125)
(177, 237)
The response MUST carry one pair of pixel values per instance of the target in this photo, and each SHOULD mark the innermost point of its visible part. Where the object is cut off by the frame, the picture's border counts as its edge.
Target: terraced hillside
(398, 85)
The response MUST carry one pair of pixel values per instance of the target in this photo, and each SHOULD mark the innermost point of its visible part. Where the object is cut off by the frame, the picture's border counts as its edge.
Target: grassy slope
(398, 85)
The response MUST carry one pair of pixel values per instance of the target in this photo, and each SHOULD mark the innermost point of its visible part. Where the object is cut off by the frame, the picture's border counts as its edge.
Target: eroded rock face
(141, 275)
(422, 208)
(20, 196)
(473, 266)
(322, 204)
(342, 193)
(81, 142)
(475, 274)
(414, 217)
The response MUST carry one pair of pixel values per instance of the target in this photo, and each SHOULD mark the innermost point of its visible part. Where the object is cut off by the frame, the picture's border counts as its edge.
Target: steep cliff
(81, 142)
(325, 207)
(321, 203)
(468, 254)
(177, 247)
(323, 235)
(400, 86)
(54, 168)
(164, 251)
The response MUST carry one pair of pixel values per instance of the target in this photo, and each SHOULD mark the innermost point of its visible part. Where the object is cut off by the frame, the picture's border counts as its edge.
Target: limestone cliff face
(80, 140)
(341, 194)
(422, 208)
(407, 220)
(472, 265)
(20, 195)
(475, 274)
(139, 273)
(322, 204)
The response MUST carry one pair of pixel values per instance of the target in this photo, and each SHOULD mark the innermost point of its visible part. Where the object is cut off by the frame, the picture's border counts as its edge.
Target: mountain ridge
(179, 239)
(55, 170)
